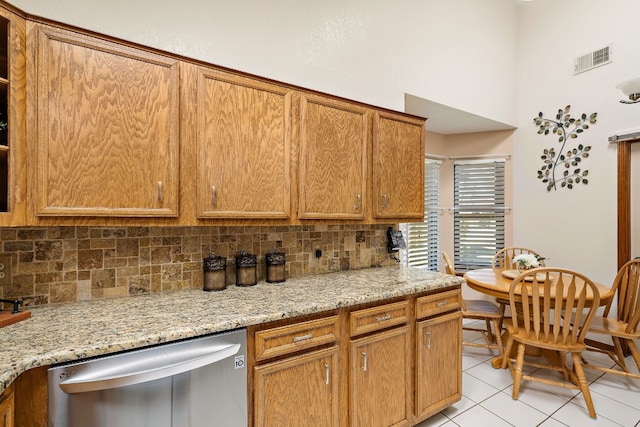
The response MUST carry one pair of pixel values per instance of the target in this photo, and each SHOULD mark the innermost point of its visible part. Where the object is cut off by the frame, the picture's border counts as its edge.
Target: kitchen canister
(215, 272)
(275, 266)
(246, 266)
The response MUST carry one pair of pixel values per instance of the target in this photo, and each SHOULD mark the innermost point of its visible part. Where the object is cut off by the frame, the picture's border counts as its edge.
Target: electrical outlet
(5, 270)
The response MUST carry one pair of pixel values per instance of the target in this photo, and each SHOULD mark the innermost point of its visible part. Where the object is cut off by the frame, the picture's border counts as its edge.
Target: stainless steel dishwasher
(193, 383)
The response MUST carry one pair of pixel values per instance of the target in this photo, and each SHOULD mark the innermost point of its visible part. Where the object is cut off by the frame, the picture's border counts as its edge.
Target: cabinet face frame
(333, 171)
(239, 176)
(7, 408)
(15, 151)
(148, 173)
(398, 184)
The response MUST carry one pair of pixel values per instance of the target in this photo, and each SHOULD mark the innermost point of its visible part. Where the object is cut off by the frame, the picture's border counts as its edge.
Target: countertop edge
(194, 313)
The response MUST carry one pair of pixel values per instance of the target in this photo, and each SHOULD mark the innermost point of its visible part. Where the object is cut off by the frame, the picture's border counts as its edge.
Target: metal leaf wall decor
(567, 163)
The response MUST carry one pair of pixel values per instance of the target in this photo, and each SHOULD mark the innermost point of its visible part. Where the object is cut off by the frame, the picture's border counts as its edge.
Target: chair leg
(517, 373)
(563, 361)
(634, 352)
(506, 355)
(496, 325)
(490, 338)
(617, 348)
(582, 383)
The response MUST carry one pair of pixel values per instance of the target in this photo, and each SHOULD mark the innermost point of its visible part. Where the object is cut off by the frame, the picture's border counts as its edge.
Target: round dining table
(496, 282)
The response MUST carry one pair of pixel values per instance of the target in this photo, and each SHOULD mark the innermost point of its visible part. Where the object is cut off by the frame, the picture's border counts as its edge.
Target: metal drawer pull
(159, 191)
(358, 201)
(428, 336)
(384, 201)
(302, 337)
(442, 303)
(383, 318)
(364, 361)
(326, 373)
(213, 195)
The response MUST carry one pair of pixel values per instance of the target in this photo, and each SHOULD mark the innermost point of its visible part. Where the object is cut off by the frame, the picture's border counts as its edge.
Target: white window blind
(423, 245)
(479, 211)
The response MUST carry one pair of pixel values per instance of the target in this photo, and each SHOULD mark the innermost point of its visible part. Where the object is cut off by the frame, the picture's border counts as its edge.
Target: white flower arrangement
(526, 261)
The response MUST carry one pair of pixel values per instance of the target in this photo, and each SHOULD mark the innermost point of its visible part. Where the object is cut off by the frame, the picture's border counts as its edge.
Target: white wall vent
(592, 60)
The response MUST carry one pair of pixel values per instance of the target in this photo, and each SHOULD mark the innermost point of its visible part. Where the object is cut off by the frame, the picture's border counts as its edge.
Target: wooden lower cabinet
(298, 391)
(388, 364)
(438, 363)
(380, 379)
(7, 408)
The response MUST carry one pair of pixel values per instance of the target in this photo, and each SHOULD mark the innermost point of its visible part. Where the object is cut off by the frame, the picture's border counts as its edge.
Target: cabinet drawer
(300, 336)
(376, 318)
(438, 303)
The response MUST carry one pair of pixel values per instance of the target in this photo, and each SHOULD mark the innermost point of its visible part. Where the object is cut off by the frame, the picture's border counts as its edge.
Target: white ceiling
(447, 120)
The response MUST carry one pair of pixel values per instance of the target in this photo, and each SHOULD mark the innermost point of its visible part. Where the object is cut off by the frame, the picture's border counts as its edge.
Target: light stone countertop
(66, 332)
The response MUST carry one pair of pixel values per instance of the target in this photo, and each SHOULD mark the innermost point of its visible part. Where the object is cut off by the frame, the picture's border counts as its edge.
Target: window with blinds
(478, 212)
(423, 245)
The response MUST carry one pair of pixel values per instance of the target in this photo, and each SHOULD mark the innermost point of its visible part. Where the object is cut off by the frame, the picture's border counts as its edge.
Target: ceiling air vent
(592, 60)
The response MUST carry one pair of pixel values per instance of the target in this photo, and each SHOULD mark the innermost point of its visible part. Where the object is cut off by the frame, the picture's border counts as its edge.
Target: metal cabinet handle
(302, 337)
(155, 368)
(159, 191)
(384, 201)
(428, 336)
(213, 195)
(383, 318)
(364, 361)
(442, 304)
(358, 201)
(326, 373)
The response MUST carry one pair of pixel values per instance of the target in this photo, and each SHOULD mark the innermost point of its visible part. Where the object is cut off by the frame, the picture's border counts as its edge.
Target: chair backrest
(504, 257)
(544, 306)
(449, 269)
(448, 265)
(627, 287)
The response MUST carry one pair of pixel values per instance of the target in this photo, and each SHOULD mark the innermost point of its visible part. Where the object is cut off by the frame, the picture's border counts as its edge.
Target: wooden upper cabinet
(107, 139)
(398, 167)
(333, 159)
(243, 133)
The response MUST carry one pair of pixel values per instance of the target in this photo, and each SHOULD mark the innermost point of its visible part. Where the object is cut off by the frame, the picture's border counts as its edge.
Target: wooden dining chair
(539, 299)
(504, 257)
(480, 310)
(622, 328)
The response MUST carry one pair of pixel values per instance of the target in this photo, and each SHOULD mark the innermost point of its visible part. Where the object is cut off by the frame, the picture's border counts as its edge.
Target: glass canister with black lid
(246, 269)
(275, 266)
(215, 272)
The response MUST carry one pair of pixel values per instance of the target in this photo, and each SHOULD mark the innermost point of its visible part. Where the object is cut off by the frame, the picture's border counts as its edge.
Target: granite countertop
(66, 332)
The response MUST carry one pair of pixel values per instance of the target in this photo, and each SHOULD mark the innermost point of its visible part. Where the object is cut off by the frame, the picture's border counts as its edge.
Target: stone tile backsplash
(66, 264)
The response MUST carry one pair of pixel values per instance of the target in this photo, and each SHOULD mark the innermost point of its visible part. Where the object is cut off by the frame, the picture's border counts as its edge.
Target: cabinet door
(107, 128)
(438, 363)
(299, 391)
(6, 409)
(244, 147)
(333, 159)
(380, 367)
(398, 167)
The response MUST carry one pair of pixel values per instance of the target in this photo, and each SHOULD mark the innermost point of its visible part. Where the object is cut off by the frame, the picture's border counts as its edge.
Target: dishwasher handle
(145, 370)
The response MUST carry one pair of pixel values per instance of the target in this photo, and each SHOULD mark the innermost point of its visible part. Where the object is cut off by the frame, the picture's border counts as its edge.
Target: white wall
(460, 53)
(574, 228)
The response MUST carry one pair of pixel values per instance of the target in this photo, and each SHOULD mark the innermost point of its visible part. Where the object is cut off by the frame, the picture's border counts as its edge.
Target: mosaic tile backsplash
(65, 264)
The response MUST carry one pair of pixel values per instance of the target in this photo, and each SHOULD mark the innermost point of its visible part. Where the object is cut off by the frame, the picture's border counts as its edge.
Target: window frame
(479, 206)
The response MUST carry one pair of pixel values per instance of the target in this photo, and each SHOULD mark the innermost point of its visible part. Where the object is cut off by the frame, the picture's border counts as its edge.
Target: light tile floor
(486, 398)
